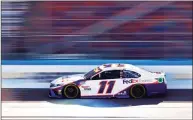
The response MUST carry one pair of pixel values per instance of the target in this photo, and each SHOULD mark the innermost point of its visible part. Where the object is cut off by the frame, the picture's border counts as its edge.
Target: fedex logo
(129, 81)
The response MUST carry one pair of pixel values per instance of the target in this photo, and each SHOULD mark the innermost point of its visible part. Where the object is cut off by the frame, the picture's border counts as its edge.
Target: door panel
(99, 87)
(105, 83)
(105, 86)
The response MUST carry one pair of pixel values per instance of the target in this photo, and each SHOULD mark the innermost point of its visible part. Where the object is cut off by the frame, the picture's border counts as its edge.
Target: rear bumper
(153, 89)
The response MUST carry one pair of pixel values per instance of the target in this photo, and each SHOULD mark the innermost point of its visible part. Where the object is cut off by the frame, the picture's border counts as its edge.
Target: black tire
(137, 91)
(71, 91)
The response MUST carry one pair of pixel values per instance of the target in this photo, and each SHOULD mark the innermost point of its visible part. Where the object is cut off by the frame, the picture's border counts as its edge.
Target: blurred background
(96, 30)
(40, 39)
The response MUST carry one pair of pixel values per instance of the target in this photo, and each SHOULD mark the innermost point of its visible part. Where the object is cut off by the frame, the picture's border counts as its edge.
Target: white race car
(110, 81)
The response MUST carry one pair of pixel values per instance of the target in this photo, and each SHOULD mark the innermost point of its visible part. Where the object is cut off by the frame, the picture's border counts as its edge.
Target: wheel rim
(71, 91)
(137, 91)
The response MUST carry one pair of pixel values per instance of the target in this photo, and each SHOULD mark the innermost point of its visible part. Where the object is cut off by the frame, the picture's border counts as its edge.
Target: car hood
(68, 79)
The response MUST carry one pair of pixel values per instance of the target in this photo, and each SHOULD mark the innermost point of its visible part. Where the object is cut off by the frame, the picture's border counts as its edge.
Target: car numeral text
(103, 84)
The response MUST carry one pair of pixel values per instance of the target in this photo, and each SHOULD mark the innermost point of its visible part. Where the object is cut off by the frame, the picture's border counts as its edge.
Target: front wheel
(137, 91)
(71, 91)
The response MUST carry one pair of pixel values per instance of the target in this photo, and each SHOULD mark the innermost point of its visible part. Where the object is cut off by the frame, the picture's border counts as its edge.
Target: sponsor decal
(122, 93)
(86, 87)
(160, 80)
(145, 81)
(125, 81)
(113, 65)
(96, 70)
(134, 81)
(107, 65)
(120, 65)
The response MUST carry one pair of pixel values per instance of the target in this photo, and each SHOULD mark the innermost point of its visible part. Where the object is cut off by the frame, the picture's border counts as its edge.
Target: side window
(112, 74)
(130, 74)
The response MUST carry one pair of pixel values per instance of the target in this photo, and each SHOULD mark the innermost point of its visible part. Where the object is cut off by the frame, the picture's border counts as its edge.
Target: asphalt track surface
(37, 94)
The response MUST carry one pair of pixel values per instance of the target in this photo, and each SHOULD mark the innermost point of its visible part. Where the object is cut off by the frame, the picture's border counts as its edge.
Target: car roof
(118, 66)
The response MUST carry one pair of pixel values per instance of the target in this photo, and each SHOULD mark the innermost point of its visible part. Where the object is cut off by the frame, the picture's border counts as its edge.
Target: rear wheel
(137, 91)
(71, 91)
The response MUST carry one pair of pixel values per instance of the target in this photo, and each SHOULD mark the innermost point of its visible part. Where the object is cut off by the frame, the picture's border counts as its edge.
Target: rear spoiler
(162, 73)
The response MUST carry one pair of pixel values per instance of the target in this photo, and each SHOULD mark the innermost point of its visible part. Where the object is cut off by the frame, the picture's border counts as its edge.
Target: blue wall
(97, 62)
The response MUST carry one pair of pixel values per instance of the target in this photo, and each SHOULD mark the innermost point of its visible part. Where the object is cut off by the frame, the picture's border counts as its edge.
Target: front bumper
(55, 93)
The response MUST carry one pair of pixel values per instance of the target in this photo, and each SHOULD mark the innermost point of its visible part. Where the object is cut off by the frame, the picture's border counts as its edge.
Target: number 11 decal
(103, 84)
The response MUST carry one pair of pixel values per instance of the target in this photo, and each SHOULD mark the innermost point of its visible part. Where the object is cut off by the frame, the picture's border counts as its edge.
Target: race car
(110, 81)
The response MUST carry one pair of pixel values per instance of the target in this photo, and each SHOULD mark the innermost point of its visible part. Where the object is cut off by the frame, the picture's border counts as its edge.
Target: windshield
(92, 72)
